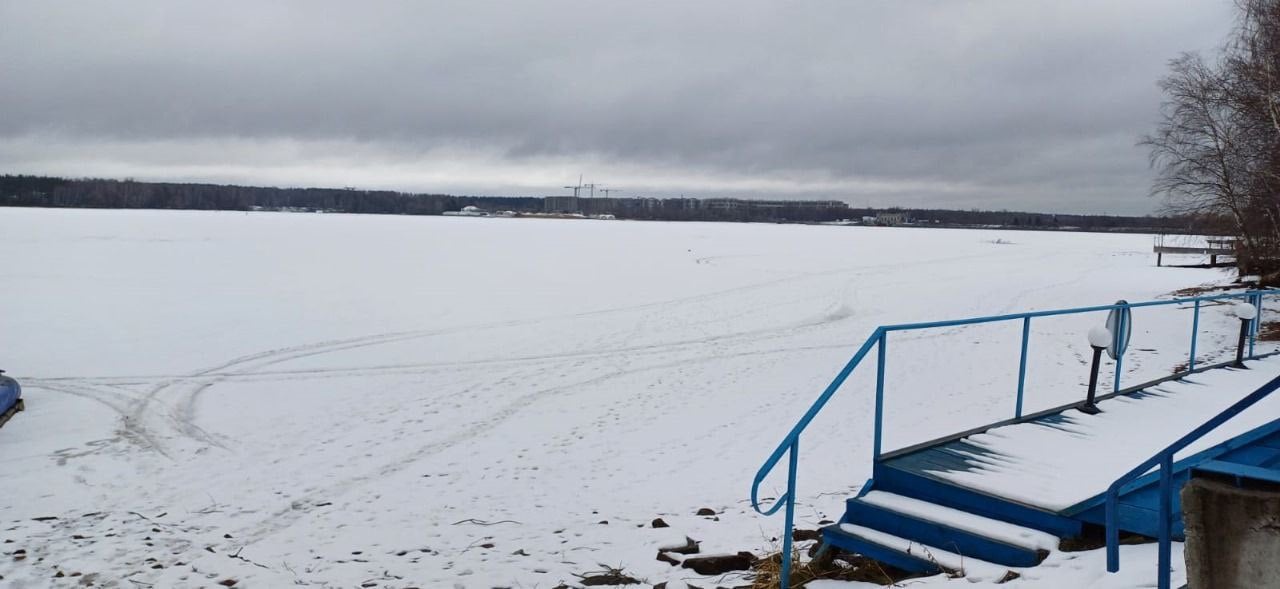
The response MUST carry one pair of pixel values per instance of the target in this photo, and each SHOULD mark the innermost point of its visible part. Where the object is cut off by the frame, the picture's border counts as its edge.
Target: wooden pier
(1212, 248)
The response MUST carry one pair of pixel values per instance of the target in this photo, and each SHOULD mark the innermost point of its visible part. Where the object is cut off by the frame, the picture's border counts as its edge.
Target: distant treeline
(40, 191)
(1024, 220)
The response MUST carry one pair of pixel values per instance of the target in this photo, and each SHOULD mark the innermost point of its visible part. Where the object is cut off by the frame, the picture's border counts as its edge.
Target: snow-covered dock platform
(1062, 461)
(993, 494)
(989, 495)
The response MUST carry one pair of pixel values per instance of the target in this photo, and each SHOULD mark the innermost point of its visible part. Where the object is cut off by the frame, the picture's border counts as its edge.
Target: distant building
(680, 204)
(560, 204)
(467, 211)
(890, 219)
(682, 207)
(738, 204)
(724, 204)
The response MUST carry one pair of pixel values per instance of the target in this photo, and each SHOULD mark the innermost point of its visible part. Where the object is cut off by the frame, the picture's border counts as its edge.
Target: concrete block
(1233, 536)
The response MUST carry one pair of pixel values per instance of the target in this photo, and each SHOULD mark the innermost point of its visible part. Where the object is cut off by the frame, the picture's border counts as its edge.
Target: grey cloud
(1009, 104)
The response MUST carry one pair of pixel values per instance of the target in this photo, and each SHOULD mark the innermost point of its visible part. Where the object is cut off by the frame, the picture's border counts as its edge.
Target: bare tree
(1217, 145)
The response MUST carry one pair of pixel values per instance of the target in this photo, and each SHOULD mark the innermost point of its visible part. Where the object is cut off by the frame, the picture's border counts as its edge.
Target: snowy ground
(338, 400)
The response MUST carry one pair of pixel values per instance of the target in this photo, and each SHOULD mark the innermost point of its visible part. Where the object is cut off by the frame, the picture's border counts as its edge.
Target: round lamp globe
(1245, 311)
(1099, 337)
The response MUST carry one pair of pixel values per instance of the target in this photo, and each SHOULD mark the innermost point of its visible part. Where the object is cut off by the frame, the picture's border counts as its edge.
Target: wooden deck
(1211, 251)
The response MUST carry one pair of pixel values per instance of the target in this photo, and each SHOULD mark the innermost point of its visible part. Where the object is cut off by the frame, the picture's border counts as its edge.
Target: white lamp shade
(1099, 337)
(1245, 311)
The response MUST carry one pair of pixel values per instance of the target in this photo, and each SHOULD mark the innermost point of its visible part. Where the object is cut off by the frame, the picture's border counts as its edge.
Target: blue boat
(10, 398)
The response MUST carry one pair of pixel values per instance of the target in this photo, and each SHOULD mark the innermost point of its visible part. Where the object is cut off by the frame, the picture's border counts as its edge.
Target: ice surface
(338, 399)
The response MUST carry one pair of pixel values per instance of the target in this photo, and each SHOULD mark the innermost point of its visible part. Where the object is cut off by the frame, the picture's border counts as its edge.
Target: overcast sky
(1014, 104)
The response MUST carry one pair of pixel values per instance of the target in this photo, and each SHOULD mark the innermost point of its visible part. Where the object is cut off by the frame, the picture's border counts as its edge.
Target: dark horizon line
(533, 196)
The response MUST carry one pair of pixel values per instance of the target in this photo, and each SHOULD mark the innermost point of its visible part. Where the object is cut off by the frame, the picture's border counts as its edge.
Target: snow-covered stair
(910, 555)
(919, 536)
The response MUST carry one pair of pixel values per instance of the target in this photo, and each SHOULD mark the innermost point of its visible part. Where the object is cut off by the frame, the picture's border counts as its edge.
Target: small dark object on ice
(706, 511)
(803, 535)
(228, 582)
(658, 523)
(718, 564)
(690, 547)
(609, 576)
(1008, 576)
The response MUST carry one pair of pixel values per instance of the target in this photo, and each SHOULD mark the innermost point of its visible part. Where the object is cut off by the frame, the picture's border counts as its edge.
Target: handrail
(1072, 311)
(790, 444)
(1165, 459)
(794, 434)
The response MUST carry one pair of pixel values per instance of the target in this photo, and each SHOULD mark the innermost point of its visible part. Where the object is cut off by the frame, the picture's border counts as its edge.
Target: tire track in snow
(199, 382)
(304, 505)
(135, 424)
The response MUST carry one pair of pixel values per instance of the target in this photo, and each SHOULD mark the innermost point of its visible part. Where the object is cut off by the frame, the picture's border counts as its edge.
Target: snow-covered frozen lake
(334, 400)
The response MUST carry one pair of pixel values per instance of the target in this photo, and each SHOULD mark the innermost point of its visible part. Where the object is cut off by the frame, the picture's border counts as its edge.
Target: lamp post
(1099, 339)
(1245, 312)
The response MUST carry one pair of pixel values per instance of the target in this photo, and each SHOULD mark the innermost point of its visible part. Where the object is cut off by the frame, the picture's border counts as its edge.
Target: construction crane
(592, 186)
(606, 191)
(577, 188)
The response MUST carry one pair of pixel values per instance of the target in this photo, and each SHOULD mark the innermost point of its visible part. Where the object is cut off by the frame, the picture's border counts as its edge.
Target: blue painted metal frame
(1164, 459)
(791, 443)
(1022, 365)
(1195, 330)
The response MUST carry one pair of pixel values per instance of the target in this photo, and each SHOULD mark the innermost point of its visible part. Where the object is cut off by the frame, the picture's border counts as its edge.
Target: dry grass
(1269, 332)
(837, 566)
(1196, 291)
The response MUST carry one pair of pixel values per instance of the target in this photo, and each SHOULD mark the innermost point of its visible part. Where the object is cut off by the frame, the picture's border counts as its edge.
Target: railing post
(793, 456)
(1257, 322)
(1119, 336)
(1195, 331)
(1113, 531)
(879, 394)
(1022, 365)
(1166, 519)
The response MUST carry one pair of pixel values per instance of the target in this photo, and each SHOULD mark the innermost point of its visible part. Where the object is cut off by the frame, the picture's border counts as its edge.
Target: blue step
(911, 563)
(924, 531)
(1272, 441)
(1240, 471)
(915, 484)
(1253, 455)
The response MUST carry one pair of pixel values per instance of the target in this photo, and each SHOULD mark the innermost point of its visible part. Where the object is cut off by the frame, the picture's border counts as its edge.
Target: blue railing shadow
(790, 444)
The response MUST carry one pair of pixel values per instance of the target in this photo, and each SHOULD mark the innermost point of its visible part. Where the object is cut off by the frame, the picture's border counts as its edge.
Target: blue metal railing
(790, 444)
(1164, 459)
